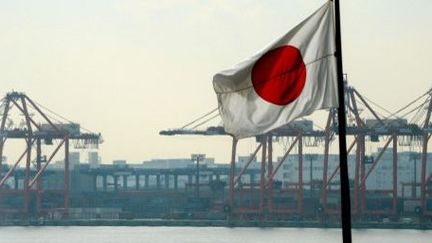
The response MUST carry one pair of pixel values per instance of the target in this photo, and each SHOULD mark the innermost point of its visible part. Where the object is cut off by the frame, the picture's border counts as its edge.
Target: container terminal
(391, 186)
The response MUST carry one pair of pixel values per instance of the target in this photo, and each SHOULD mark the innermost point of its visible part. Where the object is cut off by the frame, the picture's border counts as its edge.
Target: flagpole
(343, 161)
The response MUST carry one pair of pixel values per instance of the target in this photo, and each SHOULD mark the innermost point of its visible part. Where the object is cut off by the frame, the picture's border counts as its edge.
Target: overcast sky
(131, 68)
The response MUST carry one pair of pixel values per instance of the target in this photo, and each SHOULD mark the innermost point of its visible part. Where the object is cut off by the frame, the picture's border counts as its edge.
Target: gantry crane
(364, 124)
(41, 129)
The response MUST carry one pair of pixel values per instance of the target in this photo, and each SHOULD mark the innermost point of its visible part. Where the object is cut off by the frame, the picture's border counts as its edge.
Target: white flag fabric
(290, 78)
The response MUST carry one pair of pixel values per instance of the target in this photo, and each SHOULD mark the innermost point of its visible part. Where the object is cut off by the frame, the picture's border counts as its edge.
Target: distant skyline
(131, 68)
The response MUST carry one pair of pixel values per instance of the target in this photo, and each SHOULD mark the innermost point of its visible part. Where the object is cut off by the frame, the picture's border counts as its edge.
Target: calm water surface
(203, 235)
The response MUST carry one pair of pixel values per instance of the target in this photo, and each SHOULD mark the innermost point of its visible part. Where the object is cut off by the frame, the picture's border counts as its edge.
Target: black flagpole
(343, 161)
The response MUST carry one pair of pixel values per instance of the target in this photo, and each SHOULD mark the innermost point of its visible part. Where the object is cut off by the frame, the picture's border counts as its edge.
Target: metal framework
(387, 128)
(37, 136)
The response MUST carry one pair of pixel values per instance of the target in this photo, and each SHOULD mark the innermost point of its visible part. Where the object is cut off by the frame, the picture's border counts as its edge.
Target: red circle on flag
(279, 75)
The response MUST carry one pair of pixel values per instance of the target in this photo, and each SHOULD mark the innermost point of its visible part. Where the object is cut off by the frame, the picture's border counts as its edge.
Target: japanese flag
(290, 78)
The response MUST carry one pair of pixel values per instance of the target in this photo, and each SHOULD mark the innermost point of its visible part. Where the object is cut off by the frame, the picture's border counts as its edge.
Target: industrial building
(393, 182)
(123, 189)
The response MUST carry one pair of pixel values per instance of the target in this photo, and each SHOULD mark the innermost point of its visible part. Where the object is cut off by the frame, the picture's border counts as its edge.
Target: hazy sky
(130, 68)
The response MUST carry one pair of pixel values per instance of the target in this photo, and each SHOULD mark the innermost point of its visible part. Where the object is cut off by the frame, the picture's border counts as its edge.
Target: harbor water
(103, 234)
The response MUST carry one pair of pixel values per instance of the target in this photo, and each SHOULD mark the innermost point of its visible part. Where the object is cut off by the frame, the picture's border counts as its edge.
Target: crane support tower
(366, 124)
(44, 136)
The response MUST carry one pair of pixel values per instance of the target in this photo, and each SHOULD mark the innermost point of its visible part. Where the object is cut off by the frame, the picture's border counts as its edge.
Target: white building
(243, 160)
(175, 163)
(74, 160)
(409, 167)
(93, 159)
